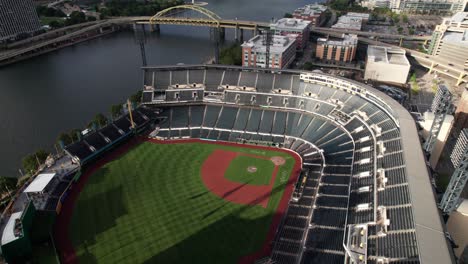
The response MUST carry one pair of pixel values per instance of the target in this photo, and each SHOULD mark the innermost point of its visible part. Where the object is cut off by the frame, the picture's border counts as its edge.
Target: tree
(288, 15)
(396, 18)
(74, 134)
(55, 24)
(7, 184)
(91, 18)
(116, 110)
(231, 55)
(65, 138)
(308, 66)
(75, 18)
(31, 162)
(136, 97)
(42, 155)
(404, 17)
(100, 120)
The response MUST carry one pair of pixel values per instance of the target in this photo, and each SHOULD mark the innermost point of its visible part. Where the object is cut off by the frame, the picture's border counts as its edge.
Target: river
(56, 92)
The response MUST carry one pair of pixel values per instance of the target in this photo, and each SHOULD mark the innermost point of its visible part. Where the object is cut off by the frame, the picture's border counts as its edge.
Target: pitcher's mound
(252, 169)
(278, 161)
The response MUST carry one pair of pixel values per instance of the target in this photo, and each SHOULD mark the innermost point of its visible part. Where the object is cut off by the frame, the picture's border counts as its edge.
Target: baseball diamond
(143, 206)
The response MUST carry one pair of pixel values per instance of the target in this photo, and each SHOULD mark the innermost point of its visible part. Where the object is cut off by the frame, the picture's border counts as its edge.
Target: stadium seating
(100, 140)
(340, 123)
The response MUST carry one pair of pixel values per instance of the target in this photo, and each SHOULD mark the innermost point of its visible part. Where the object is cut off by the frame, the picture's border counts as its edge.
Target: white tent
(39, 183)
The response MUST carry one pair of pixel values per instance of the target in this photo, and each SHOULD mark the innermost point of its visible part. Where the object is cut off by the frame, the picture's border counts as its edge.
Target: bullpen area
(185, 201)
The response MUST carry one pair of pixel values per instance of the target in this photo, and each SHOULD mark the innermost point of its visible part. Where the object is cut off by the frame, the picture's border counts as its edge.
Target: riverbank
(62, 90)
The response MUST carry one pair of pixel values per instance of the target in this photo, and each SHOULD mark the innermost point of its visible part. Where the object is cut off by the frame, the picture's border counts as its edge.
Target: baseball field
(186, 201)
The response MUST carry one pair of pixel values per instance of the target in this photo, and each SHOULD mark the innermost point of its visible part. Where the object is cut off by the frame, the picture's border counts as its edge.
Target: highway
(370, 34)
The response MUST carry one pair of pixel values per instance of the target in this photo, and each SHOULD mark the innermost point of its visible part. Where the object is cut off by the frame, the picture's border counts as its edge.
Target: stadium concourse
(364, 194)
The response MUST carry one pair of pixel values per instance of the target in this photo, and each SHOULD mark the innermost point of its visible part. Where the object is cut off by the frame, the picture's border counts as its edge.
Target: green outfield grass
(151, 206)
(238, 170)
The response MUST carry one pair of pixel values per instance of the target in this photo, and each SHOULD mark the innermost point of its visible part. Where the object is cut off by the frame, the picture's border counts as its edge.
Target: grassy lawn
(238, 170)
(151, 206)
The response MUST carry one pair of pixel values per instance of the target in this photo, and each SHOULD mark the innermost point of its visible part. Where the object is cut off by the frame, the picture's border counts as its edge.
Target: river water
(43, 96)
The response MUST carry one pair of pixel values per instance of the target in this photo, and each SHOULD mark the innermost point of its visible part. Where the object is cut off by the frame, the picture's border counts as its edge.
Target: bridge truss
(187, 15)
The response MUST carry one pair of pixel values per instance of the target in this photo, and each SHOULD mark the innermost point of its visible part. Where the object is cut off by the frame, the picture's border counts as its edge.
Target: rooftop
(278, 43)
(346, 39)
(388, 55)
(364, 16)
(311, 10)
(460, 17)
(39, 183)
(460, 38)
(9, 233)
(290, 23)
(349, 22)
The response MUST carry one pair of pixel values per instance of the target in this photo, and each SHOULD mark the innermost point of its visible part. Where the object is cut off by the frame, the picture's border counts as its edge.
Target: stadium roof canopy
(40, 183)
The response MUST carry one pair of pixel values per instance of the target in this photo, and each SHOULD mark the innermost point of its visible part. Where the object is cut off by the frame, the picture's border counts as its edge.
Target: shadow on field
(98, 219)
(225, 241)
(215, 210)
(98, 176)
(87, 257)
(236, 189)
(199, 195)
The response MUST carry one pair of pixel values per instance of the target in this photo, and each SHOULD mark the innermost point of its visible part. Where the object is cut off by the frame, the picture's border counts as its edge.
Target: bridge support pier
(401, 42)
(222, 33)
(155, 28)
(431, 69)
(241, 35)
(236, 34)
(460, 78)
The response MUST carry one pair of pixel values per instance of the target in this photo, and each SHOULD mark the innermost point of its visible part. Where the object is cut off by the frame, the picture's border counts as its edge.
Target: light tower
(267, 41)
(441, 106)
(459, 159)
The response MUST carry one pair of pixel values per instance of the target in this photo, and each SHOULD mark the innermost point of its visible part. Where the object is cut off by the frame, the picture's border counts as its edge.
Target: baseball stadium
(223, 164)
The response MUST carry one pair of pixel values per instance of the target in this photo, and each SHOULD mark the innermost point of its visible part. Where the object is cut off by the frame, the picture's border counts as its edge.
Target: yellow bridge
(193, 15)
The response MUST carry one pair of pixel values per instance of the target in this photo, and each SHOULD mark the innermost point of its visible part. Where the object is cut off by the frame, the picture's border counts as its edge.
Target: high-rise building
(18, 19)
(450, 40)
(337, 49)
(428, 6)
(293, 28)
(418, 6)
(314, 13)
(282, 52)
(386, 64)
(371, 4)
